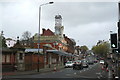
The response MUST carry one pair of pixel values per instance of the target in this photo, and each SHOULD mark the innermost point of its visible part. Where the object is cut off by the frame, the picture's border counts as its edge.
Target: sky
(85, 22)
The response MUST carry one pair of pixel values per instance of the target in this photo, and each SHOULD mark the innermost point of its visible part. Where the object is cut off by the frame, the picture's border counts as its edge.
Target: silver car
(69, 64)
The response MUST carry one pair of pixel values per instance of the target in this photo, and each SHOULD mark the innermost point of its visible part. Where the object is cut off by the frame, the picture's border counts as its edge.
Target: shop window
(7, 58)
(3, 58)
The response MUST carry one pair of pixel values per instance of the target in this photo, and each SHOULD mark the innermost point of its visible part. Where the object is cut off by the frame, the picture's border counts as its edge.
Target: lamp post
(39, 32)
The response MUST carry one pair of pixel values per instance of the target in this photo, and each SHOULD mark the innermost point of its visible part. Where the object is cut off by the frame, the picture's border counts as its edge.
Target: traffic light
(113, 38)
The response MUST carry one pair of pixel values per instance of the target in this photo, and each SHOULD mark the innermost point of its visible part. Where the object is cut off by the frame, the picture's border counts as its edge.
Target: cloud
(82, 12)
(87, 22)
(89, 34)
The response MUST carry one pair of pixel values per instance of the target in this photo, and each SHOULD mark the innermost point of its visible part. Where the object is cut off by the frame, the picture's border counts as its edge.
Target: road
(93, 71)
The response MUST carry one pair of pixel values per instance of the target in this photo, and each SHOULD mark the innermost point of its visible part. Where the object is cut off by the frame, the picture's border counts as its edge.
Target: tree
(2, 42)
(102, 49)
(83, 49)
(26, 35)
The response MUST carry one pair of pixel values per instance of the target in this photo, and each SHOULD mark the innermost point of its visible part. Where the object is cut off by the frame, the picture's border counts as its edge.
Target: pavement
(43, 70)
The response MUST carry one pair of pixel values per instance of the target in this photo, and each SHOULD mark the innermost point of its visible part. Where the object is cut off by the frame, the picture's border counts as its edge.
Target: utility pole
(118, 50)
(119, 28)
(39, 32)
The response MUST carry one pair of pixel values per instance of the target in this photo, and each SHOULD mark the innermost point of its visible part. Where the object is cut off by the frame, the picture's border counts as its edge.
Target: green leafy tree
(83, 49)
(2, 41)
(101, 49)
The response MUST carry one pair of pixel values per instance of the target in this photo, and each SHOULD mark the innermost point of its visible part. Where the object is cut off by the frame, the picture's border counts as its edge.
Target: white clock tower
(58, 26)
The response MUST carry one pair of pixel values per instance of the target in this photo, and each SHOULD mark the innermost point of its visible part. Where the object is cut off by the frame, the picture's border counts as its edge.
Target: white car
(68, 64)
(102, 62)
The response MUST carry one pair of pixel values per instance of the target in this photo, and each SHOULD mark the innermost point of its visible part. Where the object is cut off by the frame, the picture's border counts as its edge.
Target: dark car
(85, 63)
(77, 64)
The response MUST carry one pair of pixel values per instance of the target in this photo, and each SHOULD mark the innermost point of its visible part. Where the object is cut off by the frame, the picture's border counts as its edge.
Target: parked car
(85, 63)
(98, 58)
(77, 64)
(102, 62)
(69, 64)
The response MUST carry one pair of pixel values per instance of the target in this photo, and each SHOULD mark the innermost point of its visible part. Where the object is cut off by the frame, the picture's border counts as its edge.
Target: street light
(39, 31)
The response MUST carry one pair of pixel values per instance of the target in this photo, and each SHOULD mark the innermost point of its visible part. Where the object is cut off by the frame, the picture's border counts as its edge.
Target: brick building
(8, 59)
(71, 44)
(55, 49)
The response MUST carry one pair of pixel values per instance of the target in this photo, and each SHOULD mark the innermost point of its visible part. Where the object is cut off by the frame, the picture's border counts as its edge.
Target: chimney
(43, 30)
(64, 35)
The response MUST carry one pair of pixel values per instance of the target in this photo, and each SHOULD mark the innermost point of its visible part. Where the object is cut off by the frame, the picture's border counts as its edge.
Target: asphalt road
(92, 72)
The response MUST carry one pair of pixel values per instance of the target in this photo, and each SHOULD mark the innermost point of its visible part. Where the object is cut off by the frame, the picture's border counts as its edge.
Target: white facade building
(10, 42)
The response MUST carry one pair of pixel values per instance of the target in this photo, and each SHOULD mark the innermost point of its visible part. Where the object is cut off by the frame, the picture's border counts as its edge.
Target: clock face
(58, 22)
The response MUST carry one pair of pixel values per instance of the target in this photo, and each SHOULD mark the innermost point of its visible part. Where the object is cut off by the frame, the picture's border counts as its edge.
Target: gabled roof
(8, 39)
(47, 32)
(18, 46)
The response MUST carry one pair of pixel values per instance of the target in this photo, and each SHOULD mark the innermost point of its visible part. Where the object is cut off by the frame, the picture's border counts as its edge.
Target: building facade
(10, 42)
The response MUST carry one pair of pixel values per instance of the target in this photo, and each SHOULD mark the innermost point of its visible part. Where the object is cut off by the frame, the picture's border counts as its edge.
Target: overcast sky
(85, 22)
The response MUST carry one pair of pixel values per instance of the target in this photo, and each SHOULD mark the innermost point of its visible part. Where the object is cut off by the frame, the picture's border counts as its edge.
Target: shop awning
(34, 50)
(60, 52)
(52, 51)
(56, 52)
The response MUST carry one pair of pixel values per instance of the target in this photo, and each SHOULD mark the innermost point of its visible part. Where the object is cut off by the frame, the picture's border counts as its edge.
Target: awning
(34, 50)
(52, 51)
(69, 54)
(60, 52)
(56, 52)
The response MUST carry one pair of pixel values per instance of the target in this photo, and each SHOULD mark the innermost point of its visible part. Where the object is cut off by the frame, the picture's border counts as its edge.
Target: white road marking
(101, 75)
(98, 73)
(98, 77)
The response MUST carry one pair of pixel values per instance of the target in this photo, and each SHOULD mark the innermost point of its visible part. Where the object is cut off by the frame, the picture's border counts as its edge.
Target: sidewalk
(31, 72)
